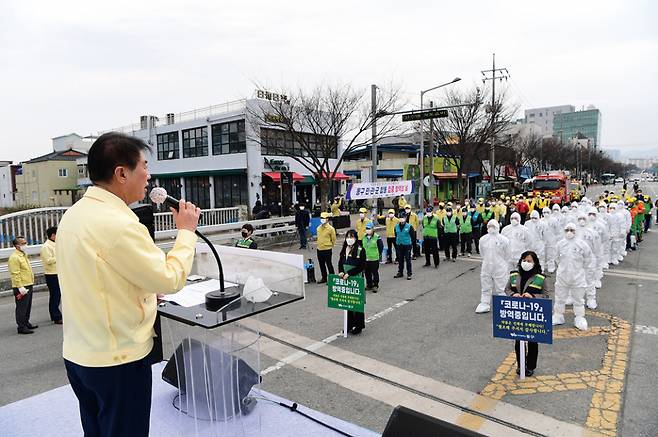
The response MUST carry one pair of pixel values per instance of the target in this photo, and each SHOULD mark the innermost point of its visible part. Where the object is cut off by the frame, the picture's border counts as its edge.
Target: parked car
(619, 181)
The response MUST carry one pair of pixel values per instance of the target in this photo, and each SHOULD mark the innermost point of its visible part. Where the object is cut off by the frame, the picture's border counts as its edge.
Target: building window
(197, 190)
(276, 142)
(531, 115)
(167, 146)
(228, 138)
(195, 142)
(231, 190)
(63, 173)
(172, 185)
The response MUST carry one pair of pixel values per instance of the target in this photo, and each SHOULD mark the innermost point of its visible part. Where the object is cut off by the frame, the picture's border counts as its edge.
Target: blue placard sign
(518, 318)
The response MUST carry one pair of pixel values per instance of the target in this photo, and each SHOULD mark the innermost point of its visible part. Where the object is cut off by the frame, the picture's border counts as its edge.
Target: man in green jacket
(430, 237)
(465, 232)
(374, 247)
(451, 235)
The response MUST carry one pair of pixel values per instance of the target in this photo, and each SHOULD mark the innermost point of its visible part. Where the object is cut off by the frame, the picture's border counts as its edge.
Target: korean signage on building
(346, 294)
(274, 97)
(526, 319)
(372, 190)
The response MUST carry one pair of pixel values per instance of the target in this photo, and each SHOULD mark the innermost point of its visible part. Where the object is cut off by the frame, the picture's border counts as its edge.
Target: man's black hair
(50, 231)
(111, 150)
(14, 242)
(248, 227)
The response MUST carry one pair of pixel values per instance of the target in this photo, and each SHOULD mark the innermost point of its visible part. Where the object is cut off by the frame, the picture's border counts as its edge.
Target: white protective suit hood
(516, 216)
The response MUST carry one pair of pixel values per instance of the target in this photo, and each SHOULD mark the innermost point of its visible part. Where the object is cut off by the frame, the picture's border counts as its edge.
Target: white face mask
(408, 211)
(514, 221)
(301, 208)
(362, 215)
(402, 220)
(391, 216)
(323, 221)
(492, 230)
(582, 222)
(350, 241)
(569, 235)
(592, 218)
(449, 214)
(527, 265)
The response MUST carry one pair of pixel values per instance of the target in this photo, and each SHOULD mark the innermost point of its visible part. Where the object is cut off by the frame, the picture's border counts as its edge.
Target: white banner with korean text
(373, 190)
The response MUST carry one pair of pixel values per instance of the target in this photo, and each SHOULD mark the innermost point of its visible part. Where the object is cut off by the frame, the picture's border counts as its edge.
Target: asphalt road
(425, 347)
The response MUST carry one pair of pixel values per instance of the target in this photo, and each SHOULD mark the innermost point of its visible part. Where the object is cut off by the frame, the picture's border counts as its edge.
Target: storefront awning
(389, 173)
(276, 176)
(339, 176)
(445, 175)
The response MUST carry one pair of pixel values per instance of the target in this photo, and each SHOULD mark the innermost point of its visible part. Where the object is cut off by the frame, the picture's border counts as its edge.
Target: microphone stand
(217, 299)
(219, 261)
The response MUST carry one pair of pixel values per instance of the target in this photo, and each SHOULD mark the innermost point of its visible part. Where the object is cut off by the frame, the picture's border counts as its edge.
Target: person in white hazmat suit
(617, 233)
(600, 226)
(591, 237)
(539, 232)
(553, 234)
(574, 257)
(564, 217)
(628, 220)
(494, 274)
(520, 240)
(604, 217)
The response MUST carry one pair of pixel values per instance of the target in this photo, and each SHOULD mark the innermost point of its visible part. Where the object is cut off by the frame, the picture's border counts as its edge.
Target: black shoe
(454, 260)
(375, 289)
(408, 277)
(30, 326)
(529, 372)
(58, 322)
(322, 281)
(25, 331)
(356, 331)
(436, 266)
(398, 275)
(518, 371)
(426, 265)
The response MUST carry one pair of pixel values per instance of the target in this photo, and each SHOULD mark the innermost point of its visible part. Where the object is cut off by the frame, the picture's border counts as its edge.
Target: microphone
(159, 196)
(214, 299)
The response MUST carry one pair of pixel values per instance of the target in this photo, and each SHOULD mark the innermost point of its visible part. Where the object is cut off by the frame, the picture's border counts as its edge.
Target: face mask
(391, 216)
(535, 218)
(408, 211)
(492, 230)
(527, 266)
(362, 215)
(449, 214)
(601, 209)
(301, 208)
(245, 234)
(369, 231)
(402, 220)
(472, 210)
(582, 222)
(487, 208)
(464, 214)
(350, 241)
(592, 218)
(21, 247)
(323, 221)
(569, 235)
(514, 221)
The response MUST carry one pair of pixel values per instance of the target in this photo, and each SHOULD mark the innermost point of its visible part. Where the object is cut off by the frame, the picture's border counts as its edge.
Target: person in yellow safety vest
(533, 203)
(402, 204)
(412, 219)
(391, 221)
(325, 243)
(361, 223)
(480, 206)
(440, 211)
(335, 207)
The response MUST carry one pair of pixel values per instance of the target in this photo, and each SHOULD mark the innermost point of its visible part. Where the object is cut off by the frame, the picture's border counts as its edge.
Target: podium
(214, 354)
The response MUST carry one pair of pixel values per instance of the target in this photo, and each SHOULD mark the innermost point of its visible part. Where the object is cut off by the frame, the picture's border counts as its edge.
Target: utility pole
(373, 149)
(431, 173)
(504, 74)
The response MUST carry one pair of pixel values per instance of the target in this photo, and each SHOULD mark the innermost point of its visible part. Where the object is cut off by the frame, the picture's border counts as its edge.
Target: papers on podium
(195, 294)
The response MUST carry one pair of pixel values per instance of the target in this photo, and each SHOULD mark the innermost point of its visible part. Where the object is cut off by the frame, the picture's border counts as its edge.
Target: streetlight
(421, 190)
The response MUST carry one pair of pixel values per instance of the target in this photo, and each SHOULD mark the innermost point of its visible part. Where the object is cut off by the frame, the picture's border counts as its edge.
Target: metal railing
(164, 221)
(31, 224)
(222, 108)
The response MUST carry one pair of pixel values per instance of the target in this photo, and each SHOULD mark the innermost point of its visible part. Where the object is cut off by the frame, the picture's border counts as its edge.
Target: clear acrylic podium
(214, 361)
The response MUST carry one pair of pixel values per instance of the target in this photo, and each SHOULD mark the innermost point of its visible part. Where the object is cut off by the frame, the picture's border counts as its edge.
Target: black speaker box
(405, 422)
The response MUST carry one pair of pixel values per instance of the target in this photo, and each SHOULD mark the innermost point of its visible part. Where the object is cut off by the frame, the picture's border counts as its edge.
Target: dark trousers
(324, 259)
(466, 242)
(372, 274)
(414, 243)
(628, 241)
(476, 239)
(23, 307)
(390, 244)
(431, 248)
(55, 297)
(523, 215)
(531, 355)
(302, 237)
(647, 222)
(404, 255)
(355, 321)
(114, 401)
(450, 240)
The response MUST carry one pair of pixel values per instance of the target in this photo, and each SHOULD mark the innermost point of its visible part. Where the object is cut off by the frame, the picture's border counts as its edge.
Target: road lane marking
(643, 329)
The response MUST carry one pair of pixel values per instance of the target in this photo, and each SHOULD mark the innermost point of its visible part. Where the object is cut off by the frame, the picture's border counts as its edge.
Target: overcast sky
(82, 66)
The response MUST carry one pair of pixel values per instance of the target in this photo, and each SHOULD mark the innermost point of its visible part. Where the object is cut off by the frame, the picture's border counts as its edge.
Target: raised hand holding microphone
(186, 216)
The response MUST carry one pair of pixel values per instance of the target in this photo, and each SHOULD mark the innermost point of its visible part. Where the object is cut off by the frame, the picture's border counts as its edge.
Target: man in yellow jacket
(49, 262)
(361, 223)
(412, 219)
(391, 221)
(325, 244)
(111, 271)
(22, 280)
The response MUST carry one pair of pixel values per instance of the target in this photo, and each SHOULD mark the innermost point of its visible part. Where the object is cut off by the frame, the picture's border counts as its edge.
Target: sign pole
(345, 324)
(522, 358)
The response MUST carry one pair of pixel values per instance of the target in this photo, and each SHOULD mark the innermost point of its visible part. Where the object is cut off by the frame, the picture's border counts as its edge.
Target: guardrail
(31, 224)
(220, 234)
(165, 220)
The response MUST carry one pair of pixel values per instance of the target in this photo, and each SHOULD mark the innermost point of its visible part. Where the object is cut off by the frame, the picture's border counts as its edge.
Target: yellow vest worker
(390, 223)
(326, 233)
(412, 218)
(402, 203)
(440, 212)
(335, 208)
(361, 223)
(480, 206)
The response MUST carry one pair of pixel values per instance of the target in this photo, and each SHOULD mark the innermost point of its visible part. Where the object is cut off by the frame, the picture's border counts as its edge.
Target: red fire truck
(553, 186)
